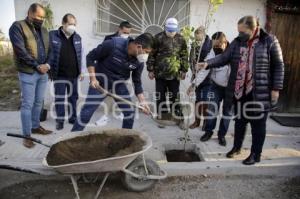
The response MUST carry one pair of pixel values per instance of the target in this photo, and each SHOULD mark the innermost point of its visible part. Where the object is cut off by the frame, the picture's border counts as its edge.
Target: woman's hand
(201, 65)
(274, 96)
(190, 90)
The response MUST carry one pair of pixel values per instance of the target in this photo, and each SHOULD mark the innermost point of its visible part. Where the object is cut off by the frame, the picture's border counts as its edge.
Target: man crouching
(114, 61)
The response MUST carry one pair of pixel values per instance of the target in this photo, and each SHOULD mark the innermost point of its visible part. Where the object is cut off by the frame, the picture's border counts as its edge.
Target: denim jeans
(61, 87)
(33, 87)
(94, 99)
(216, 95)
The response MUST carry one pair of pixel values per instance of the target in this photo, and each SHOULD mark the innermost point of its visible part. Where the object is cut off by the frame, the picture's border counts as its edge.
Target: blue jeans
(33, 87)
(61, 86)
(216, 95)
(93, 101)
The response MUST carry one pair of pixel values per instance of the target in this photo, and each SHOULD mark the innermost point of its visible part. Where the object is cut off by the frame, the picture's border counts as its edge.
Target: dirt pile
(93, 147)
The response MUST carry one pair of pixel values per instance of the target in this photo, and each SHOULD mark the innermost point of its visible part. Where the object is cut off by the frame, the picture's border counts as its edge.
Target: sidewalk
(282, 146)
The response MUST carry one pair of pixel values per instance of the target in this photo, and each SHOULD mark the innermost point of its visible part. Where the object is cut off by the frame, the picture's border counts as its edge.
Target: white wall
(225, 19)
(228, 14)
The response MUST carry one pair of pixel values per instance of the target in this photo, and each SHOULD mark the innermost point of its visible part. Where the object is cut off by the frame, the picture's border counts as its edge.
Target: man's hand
(94, 83)
(201, 65)
(274, 96)
(145, 108)
(182, 75)
(43, 68)
(151, 75)
(190, 90)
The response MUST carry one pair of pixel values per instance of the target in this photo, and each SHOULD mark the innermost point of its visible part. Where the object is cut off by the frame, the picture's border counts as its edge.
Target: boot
(207, 135)
(234, 151)
(195, 124)
(251, 159)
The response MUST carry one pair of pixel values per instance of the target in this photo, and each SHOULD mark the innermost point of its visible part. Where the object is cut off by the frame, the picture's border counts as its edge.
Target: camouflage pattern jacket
(169, 58)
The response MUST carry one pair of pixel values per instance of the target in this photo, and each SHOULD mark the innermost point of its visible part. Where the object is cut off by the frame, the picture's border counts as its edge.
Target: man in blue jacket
(110, 65)
(65, 59)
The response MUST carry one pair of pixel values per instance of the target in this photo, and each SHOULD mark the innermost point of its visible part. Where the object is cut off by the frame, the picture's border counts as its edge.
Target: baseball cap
(171, 25)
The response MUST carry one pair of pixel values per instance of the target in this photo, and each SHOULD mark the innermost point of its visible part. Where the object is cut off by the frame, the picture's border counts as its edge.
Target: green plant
(48, 24)
(174, 63)
(188, 34)
(213, 6)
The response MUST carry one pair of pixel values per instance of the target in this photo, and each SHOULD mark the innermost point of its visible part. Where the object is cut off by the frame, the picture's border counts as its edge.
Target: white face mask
(125, 36)
(170, 34)
(142, 58)
(70, 29)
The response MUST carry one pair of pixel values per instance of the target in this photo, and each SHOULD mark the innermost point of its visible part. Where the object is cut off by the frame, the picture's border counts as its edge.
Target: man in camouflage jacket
(168, 64)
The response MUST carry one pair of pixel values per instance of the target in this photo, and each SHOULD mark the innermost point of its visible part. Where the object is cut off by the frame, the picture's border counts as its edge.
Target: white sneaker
(102, 121)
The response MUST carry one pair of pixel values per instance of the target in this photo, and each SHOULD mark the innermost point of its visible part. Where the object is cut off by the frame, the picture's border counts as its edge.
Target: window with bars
(144, 15)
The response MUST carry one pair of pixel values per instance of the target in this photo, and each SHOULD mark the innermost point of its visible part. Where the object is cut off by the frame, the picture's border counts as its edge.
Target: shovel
(119, 98)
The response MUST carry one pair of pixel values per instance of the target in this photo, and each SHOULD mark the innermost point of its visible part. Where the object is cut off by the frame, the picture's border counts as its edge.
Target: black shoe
(251, 159)
(234, 151)
(59, 126)
(71, 121)
(207, 135)
(222, 141)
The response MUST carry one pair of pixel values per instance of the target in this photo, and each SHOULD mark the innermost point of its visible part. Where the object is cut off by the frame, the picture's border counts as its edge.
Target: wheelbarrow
(138, 173)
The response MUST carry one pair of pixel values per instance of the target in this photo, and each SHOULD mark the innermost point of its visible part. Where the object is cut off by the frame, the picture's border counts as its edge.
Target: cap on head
(171, 25)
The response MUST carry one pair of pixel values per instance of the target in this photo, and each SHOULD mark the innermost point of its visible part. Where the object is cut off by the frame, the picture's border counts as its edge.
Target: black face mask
(37, 23)
(218, 51)
(244, 36)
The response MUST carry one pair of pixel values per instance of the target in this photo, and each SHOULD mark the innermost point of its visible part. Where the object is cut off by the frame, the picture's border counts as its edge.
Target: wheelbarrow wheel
(137, 166)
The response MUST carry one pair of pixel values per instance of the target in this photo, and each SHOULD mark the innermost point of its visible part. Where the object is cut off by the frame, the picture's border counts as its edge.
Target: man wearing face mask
(257, 74)
(168, 64)
(116, 60)
(30, 41)
(65, 59)
(202, 42)
(124, 31)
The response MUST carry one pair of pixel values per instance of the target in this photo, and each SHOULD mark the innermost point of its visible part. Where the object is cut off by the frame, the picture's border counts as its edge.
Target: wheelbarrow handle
(26, 137)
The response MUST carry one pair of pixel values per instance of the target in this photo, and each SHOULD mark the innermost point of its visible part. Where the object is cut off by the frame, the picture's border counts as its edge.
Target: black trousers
(167, 88)
(257, 120)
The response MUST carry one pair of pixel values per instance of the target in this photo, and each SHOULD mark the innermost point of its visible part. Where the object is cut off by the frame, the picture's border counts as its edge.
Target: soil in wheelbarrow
(93, 147)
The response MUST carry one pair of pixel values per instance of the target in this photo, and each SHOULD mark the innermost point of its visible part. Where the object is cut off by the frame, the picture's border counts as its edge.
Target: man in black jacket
(257, 73)
(123, 31)
(65, 59)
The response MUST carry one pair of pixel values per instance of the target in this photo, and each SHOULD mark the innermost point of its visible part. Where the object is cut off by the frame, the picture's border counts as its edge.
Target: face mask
(37, 23)
(244, 36)
(70, 29)
(218, 51)
(125, 36)
(142, 58)
(170, 34)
